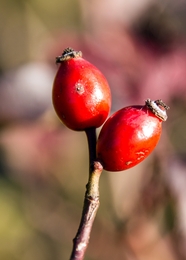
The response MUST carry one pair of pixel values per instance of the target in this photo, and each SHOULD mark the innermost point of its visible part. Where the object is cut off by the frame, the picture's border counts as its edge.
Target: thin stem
(91, 200)
(92, 139)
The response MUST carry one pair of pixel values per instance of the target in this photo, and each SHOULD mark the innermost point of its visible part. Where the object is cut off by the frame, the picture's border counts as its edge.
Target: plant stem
(91, 200)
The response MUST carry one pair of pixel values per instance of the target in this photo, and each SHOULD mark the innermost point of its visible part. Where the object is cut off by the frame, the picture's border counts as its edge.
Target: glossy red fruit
(130, 135)
(81, 95)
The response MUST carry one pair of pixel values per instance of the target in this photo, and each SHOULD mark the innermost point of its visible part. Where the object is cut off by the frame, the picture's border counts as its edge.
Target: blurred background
(140, 46)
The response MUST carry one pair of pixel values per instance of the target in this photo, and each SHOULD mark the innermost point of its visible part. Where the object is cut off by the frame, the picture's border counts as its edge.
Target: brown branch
(91, 200)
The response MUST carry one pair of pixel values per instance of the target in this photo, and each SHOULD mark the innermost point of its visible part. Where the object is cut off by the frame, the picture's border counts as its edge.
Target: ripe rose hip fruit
(81, 95)
(130, 135)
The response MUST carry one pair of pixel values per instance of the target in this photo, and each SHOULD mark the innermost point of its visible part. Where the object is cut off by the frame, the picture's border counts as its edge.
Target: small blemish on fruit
(79, 88)
(128, 163)
(140, 158)
(141, 155)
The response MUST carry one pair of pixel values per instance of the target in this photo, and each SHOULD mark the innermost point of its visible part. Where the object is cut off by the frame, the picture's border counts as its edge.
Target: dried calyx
(68, 54)
(158, 107)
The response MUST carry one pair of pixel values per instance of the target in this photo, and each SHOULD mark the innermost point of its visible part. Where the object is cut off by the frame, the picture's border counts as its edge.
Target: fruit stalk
(91, 200)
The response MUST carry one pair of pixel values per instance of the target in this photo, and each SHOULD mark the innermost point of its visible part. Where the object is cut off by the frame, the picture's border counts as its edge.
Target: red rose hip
(81, 95)
(130, 135)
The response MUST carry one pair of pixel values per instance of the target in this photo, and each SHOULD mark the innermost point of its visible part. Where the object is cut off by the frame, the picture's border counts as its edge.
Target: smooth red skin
(81, 95)
(128, 137)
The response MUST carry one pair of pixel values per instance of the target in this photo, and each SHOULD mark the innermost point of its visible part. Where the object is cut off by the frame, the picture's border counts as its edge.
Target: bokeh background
(140, 46)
